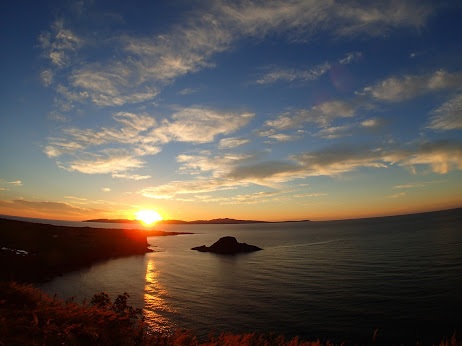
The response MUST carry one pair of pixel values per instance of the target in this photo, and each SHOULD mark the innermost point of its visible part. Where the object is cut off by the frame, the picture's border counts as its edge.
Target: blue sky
(268, 110)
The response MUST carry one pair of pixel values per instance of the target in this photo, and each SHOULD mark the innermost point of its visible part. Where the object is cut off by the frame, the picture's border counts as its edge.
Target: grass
(30, 317)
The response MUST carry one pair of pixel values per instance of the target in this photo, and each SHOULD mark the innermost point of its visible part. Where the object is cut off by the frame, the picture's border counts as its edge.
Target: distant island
(196, 222)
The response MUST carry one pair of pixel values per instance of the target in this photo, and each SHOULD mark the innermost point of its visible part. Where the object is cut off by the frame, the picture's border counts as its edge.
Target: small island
(227, 246)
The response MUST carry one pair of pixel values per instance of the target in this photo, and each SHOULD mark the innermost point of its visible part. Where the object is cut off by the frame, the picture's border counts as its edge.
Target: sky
(268, 110)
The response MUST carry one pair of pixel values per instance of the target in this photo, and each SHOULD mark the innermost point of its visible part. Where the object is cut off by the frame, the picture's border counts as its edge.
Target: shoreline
(35, 252)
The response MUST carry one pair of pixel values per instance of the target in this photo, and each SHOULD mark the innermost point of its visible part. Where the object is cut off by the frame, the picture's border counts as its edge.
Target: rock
(227, 246)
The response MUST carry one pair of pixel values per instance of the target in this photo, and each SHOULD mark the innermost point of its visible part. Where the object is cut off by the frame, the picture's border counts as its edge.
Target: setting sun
(148, 216)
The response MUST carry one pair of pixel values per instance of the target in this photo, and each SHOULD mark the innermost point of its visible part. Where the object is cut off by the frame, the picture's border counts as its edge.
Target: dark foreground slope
(36, 252)
(30, 317)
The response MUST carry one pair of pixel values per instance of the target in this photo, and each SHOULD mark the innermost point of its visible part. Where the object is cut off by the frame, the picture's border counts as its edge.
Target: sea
(387, 280)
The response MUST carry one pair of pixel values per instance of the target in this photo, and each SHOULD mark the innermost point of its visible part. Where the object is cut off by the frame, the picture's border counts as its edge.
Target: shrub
(30, 317)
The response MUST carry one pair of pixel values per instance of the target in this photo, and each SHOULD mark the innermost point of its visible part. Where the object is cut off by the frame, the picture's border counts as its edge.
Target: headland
(35, 252)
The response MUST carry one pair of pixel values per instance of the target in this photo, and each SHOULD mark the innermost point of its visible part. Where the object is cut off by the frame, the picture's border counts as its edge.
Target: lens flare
(148, 217)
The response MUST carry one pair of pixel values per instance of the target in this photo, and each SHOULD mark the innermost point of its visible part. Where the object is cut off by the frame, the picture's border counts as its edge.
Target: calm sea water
(338, 280)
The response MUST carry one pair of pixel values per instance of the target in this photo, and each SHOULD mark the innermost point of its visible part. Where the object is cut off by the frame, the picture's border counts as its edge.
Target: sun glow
(148, 217)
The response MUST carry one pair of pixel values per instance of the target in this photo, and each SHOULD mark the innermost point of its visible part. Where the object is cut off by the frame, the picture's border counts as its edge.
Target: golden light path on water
(154, 301)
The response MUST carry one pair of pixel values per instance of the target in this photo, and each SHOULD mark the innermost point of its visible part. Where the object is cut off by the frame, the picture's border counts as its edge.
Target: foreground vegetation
(30, 317)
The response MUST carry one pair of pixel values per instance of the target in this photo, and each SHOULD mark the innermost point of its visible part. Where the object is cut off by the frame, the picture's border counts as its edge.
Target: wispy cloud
(291, 75)
(188, 91)
(110, 87)
(322, 115)
(347, 18)
(201, 125)
(47, 208)
(228, 143)
(414, 55)
(416, 185)
(283, 137)
(379, 17)
(218, 165)
(281, 74)
(130, 176)
(59, 45)
(312, 194)
(336, 131)
(350, 57)
(254, 198)
(372, 123)
(76, 199)
(104, 165)
(175, 188)
(351, 129)
(265, 173)
(46, 77)
(130, 130)
(448, 116)
(396, 89)
(11, 183)
(397, 195)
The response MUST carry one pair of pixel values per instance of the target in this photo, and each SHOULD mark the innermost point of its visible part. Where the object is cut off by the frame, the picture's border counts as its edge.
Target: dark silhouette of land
(227, 246)
(198, 222)
(33, 252)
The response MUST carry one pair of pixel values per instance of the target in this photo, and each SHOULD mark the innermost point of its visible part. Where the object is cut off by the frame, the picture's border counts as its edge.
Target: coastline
(220, 221)
(35, 252)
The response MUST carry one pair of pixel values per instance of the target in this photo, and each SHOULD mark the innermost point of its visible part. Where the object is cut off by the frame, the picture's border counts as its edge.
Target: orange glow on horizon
(148, 217)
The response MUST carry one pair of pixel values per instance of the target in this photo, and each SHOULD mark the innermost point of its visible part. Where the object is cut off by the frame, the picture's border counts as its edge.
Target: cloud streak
(448, 116)
(201, 125)
(321, 115)
(280, 74)
(397, 89)
(47, 208)
(291, 75)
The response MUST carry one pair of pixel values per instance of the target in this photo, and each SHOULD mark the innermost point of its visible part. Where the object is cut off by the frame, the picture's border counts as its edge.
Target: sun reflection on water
(156, 308)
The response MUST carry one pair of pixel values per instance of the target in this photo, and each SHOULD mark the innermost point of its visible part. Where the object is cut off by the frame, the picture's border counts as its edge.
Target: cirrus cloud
(448, 116)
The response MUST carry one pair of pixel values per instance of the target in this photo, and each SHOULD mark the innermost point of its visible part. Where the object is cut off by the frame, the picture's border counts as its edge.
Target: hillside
(36, 252)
